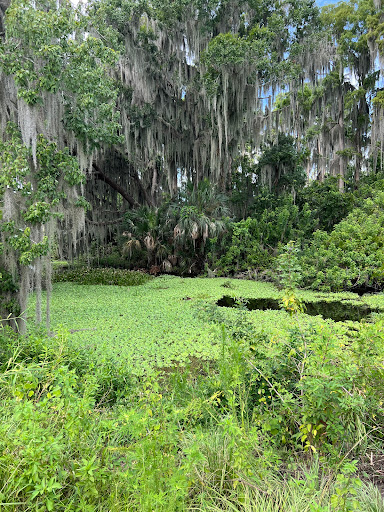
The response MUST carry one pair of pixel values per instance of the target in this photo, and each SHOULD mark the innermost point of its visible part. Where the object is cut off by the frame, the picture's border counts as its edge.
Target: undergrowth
(274, 425)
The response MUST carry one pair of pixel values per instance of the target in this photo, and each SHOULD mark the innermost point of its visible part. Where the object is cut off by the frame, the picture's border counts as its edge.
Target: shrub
(352, 255)
(311, 392)
(51, 444)
(252, 244)
(105, 276)
(245, 251)
(328, 206)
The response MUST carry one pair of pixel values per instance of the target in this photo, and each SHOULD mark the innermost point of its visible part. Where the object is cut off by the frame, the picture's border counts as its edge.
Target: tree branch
(103, 177)
(135, 176)
(106, 223)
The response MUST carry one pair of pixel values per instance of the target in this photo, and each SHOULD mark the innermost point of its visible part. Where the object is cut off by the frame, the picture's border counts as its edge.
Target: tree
(148, 94)
(192, 81)
(337, 114)
(198, 213)
(176, 234)
(58, 106)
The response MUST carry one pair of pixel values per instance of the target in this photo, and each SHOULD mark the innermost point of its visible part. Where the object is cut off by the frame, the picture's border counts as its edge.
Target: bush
(105, 276)
(245, 251)
(352, 255)
(52, 446)
(328, 206)
(252, 244)
(315, 390)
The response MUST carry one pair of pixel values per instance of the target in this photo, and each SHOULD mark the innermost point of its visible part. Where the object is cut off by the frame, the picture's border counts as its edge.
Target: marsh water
(337, 310)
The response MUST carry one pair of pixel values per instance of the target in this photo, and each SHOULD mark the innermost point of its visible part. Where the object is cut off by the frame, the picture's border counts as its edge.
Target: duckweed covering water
(168, 320)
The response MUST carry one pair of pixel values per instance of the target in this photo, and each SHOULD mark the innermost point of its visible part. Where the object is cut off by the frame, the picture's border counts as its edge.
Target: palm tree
(198, 214)
(146, 230)
(179, 229)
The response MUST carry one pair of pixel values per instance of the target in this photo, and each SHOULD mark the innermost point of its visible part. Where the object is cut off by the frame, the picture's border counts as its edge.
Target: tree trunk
(342, 160)
(4, 4)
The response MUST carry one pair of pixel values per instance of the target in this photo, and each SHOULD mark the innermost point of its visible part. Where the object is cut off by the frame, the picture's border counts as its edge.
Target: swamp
(191, 256)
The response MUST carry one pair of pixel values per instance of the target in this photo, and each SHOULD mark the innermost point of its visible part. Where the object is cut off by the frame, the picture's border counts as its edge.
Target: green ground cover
(286, 417)
(170, 320)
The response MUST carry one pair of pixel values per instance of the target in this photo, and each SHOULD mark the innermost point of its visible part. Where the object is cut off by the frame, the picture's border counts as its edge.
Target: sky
(321, 3)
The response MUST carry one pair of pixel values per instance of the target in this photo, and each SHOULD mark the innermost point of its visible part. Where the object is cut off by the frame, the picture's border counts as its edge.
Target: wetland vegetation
(159, 162)
(154, 397)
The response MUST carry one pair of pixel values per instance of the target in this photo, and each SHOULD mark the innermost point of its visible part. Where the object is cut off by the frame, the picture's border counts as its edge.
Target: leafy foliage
(326, 204)
(252, 244)
(285, 162)
(45, 51)
(176, 235)
(245, 251)
(158, 324)
(105, 276)
(352, 254)
(33, 193)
